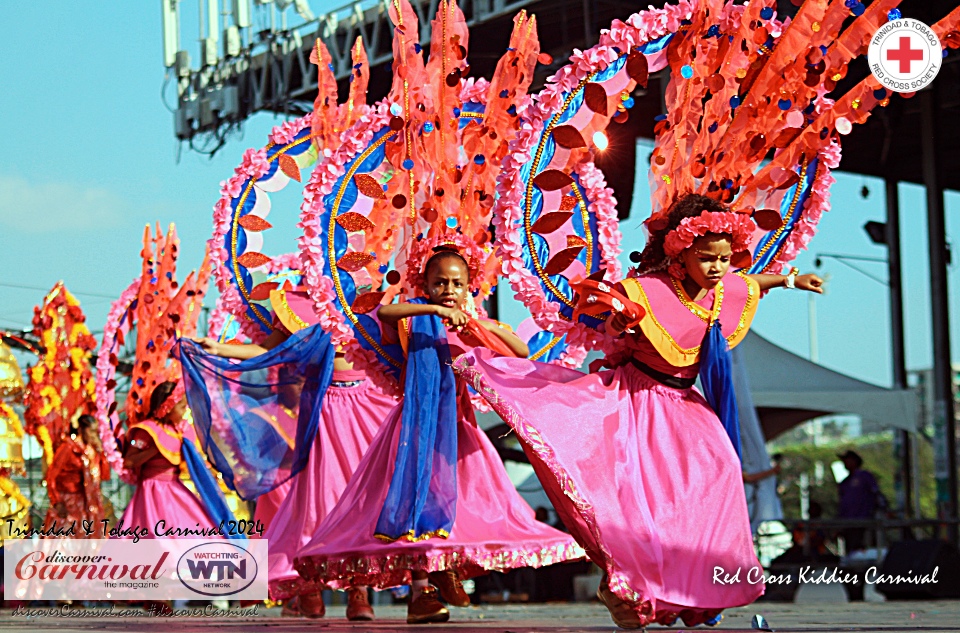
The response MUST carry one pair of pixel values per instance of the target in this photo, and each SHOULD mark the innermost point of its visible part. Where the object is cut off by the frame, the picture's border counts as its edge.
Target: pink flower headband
(175, 396)
(423, 250)
(739, 226)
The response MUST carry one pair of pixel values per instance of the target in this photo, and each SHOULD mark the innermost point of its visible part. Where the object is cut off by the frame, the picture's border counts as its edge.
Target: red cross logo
(905, 55)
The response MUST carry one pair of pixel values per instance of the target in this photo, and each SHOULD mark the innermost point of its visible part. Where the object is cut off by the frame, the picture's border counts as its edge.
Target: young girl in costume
(73, 478)
(154, 453)
(431, 498)
(158, 442)
(660, 505)
(353, 409)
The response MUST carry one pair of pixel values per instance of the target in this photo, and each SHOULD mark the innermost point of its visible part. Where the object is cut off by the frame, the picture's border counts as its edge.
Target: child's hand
(453, 316)
(617, 323)
(209, 345)
(809, 282)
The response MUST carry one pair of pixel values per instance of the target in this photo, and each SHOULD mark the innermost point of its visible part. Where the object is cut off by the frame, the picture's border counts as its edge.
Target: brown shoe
(358, 606)
(426, 608)
(311, 605)
(621, 613)
(450, 587)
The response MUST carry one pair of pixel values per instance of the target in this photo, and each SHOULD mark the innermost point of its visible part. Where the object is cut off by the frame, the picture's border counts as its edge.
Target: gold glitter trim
(411, 537)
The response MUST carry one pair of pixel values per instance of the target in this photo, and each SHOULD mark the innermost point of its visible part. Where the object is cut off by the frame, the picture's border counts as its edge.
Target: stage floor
(867, 617)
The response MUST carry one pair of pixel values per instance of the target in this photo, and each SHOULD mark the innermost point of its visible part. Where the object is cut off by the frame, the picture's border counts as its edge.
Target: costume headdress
(60, 386)
(743, 86)
(418, 170)
(245, 270)
(161, 310)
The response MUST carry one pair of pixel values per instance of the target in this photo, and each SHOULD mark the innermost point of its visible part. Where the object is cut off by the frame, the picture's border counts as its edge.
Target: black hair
(686, 206)
(160, 394)
(86, 421)
(441, 253)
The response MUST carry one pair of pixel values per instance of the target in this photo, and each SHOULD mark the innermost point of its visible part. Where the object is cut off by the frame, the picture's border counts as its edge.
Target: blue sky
(92, 157)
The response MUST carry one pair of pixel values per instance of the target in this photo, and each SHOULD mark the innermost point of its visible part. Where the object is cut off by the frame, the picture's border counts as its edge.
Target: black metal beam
(945, 424)
(898, 348)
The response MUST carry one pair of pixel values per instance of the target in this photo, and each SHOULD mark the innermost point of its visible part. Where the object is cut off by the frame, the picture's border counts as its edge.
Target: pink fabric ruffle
(494, 530)
(349, 419)
(161, 496)
(643, 475)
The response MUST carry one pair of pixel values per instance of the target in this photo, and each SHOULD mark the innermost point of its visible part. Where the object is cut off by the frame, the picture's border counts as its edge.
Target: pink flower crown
(739, 226)
(424, 248)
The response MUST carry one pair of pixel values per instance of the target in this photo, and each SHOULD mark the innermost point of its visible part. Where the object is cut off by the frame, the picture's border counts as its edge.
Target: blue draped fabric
(716, 378)
(209, 490)
(422, 499)
(257, 418)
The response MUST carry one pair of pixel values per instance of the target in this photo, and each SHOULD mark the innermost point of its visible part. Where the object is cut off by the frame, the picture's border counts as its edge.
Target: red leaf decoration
(550, 222)
(575, 240)
(568, 137)
(261, 292)
(559, 262)
(253, 259)
(354, 222)
(289, 166)
(369, 187)
(568, 203)
(596, 98)
(767, 219)
(367, 302)
(741, 259)
(791, 179)
(254, 223)
(552, 180)
(352, 262)
(637, 68)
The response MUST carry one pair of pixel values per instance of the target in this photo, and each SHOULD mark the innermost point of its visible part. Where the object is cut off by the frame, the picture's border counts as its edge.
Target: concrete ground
(867, 617)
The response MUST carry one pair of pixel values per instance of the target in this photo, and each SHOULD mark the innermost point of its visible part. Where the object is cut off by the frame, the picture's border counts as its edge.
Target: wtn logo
(217, 569)
(224, 569)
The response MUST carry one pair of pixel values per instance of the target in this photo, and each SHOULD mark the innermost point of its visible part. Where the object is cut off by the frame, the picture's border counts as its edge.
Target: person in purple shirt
(859, 496)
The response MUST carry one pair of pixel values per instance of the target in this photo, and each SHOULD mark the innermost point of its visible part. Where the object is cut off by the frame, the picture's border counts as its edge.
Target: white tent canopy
(788, 390)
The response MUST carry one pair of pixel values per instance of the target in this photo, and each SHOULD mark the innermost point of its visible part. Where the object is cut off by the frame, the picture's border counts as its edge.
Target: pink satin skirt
(643, 475)
(494, 529)
(161, 496)
(350, 417)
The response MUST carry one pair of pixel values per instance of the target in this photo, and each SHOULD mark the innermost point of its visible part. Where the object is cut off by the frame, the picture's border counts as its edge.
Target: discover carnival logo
(217, 569)
(905, 55)
(123, 569)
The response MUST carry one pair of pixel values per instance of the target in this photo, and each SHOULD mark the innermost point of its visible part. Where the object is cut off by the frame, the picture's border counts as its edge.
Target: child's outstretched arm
(513, 341)
(802, 282)
(241, 352)
(394, 312)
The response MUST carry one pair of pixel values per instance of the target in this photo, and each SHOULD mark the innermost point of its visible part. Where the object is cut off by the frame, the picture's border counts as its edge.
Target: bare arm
(242, 352)
(803, 282)
(394, 312)
(752, 478)
(139, 450)
(513, 341)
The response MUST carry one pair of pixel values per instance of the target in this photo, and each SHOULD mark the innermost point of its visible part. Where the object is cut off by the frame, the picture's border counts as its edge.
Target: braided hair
(652, 258)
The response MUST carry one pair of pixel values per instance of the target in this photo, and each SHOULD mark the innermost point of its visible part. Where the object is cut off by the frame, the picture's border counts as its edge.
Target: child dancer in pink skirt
(634, 459)
(154, 454)
(353, 409)
(431, 497)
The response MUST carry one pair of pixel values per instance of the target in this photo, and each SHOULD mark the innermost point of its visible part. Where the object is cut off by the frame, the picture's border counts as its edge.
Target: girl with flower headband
(155, 453)
(431, 499)
(660, 503)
